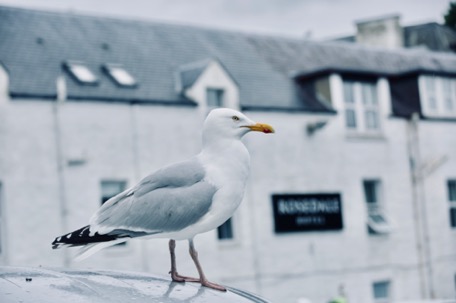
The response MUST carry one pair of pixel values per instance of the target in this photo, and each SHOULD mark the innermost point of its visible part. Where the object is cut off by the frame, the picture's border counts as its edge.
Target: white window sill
(228, 243)
(358, 135)
(439, 116)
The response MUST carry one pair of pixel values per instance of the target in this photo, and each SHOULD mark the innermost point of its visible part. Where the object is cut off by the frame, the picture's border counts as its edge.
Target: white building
(357, 189)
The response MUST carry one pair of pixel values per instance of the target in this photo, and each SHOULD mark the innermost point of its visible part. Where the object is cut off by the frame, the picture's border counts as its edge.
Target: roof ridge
(383, 50)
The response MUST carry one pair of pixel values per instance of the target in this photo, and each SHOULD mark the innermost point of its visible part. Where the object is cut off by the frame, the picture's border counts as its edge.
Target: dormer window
(438, 96)
(81, 73)
(431, 93)
(449, 94)
(120, 75)
(362, 110)
(214, 97)
(208, 83)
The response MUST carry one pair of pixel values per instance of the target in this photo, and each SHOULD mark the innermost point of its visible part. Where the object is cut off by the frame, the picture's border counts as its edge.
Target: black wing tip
(82, 237)
(72, 239)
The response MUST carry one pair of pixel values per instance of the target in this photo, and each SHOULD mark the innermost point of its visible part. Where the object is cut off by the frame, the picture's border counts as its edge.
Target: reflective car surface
(35, 285)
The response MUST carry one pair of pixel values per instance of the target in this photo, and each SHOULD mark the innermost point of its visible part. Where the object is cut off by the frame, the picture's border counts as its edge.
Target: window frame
(388, 286)
(122, 183)
(104, 198)
(236, 240)
(357, 104)
(451, 197)
(113, 70)
(227, 224)
(434, 88)
(378, 222)
(79, 71)
(219, 92)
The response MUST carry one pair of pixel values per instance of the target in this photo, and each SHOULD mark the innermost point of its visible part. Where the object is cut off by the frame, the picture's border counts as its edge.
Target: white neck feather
(226, 161)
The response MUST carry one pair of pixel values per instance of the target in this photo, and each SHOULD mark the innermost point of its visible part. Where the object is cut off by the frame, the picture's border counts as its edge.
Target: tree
(450, 16)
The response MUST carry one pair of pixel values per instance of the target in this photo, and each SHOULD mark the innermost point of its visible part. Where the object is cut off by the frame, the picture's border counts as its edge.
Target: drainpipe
(137, 175)
(61, 97)
(4, 99)
(257, 272)
(422, 238)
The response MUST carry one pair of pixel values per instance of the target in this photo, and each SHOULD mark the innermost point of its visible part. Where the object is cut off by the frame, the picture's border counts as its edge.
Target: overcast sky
(317, 18)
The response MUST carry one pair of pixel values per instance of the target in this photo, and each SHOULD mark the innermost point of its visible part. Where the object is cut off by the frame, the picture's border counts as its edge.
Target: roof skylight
(119, 75)
(81, 73)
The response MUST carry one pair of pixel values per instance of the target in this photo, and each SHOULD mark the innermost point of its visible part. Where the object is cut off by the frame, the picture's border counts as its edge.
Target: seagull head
(229, 123)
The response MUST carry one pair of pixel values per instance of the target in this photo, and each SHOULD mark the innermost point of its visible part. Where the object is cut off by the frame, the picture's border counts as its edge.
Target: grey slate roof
(189, 73)
(35, 44)
(311, 57)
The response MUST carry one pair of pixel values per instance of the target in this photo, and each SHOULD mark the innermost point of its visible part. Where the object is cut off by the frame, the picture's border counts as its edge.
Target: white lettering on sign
(308, 206)
(311, 220)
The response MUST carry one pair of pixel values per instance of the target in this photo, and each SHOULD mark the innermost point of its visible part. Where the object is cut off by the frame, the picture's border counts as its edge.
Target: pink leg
(202, 280)
(174, 275)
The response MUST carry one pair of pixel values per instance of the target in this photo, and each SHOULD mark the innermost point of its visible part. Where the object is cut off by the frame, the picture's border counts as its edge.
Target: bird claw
(213, 285)
(178, 278)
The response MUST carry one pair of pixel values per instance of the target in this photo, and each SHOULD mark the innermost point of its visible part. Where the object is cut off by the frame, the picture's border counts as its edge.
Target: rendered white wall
(120, 141)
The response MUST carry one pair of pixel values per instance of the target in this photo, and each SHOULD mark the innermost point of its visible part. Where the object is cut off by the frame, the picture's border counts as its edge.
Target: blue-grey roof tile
(189, 73)
(35, 44)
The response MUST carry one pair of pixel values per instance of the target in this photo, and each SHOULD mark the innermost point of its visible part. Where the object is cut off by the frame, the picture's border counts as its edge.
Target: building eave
(287, 109)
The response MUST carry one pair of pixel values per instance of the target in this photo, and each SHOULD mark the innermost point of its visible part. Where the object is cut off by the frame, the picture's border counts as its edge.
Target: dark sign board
(307, 212)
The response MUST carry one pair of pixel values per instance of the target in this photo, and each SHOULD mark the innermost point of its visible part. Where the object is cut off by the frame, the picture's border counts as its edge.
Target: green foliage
(450, 16)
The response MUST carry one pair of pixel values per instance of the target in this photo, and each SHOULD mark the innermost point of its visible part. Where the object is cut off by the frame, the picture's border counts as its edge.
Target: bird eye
(235, 118)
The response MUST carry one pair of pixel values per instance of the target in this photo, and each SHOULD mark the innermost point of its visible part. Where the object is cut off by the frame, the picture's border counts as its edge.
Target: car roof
(20, 284)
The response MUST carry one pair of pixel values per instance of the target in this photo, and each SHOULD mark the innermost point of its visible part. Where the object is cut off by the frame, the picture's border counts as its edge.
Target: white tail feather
(90, 249)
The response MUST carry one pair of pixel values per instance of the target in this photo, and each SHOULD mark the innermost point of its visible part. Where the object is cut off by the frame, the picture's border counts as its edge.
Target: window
(119, 75)
(377, 223)
(431, 93)
(111, 188)
(438, 96)
(369, 97)
(108, 190)
(214, 97)
(381, 290)
(225, 231)
(449, 94)
(452, 199)
(362, 111)
(350, 109)
(81, 73)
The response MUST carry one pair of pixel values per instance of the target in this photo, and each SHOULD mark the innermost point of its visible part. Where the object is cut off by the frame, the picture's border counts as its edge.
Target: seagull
(181, 200)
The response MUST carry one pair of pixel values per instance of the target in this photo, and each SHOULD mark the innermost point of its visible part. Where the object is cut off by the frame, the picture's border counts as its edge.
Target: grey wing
(168, 200)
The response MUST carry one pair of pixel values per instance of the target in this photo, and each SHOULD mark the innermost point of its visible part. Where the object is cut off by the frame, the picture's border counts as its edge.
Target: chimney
(384, 32)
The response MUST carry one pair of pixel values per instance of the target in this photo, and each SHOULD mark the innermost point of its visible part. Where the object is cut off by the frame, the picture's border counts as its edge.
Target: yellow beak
(261, 127)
